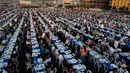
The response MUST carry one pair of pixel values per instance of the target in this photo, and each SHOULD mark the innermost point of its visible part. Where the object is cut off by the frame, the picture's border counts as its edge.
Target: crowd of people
(6, 13)
(7, 33)
(54, 40)
(108, 33)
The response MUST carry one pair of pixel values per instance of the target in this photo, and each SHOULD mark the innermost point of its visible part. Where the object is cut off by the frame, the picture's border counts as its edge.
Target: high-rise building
(95, 3)
(120, 4)
(10, 2)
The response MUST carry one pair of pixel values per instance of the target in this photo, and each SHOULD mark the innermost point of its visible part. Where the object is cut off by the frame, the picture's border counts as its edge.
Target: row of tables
(1, 46)
(87, 35)
(39, 67)
(125, 56)
(6, 55)
(11, 19)
(93, 53)
(7, 13)
(96, 55)
(61, 47)
(122, 55)
(106, 30)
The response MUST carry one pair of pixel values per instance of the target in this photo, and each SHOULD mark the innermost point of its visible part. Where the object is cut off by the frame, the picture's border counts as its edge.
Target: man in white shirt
(123, 69)
(116, 56)
(47, 60)
(60, 59)
(102, 26)
(43, 35)
(84, 20)
(10, 24)
(116, 44)
(4, 71)
(15, 19)
(28, 56)
(77, 36)
(128, 33)
(114, 70)
(111, 50)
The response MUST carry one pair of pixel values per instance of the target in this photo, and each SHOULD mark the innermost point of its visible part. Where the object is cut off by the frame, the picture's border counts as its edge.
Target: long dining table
(6, 55)
(39, 66)
(61, 47)
(93, 53)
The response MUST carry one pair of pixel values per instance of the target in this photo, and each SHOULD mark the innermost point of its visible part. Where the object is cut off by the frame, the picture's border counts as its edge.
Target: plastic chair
(55, 70)
(64, 68)
(89, 71)
(123, 61)
(95, 62)
(105, 69)
(84, 67)
(79, 61)
(69, 51)
(91, 59)
(73, 54)
(99, 66)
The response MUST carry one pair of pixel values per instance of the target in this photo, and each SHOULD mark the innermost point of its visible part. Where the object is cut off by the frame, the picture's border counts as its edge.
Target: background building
(6, 1)
(25, 2)
(95, 3)
(37, 1)
(49, 1)
(67, 1)
(120, 4)
(58, 1)
(129, 7)
(10, 2)
(75, 2)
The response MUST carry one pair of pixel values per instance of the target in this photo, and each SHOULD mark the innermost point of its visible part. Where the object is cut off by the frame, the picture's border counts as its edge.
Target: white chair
(64, 68)
(54, 70)
(73, 54)
(99, 66)
(91, 59)
(67, 47)
(69, 51)
(95, 62)
(123, 61)
(89, 71)
(105, 68)
(84, 67)
(79, 61)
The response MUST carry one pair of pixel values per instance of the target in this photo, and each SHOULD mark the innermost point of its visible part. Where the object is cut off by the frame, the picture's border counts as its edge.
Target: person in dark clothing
(29, 70)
